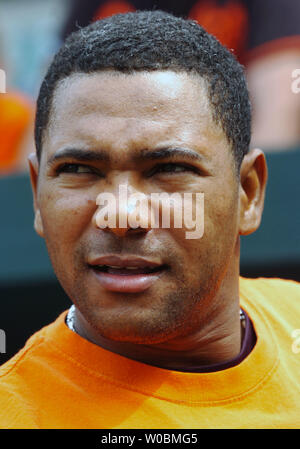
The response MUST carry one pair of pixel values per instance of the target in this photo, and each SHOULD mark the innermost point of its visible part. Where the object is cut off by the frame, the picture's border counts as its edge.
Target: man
(163, 333)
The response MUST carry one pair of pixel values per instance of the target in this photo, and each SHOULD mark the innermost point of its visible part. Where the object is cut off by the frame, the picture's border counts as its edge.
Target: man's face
(122, 118)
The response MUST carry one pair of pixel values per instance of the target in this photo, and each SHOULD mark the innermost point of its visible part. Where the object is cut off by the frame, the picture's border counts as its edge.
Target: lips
(126, 274)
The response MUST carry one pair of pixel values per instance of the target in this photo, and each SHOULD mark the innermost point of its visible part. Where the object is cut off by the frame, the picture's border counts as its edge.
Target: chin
(143, 332)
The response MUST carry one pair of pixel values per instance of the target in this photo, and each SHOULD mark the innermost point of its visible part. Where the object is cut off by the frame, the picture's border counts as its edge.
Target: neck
(217, 339)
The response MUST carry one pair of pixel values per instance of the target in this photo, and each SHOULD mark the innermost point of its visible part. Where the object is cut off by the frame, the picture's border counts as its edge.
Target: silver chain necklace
(70, 318)
(71, 315)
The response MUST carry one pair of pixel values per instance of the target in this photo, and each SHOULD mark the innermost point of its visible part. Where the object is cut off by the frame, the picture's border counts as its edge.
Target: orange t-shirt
(60, 380)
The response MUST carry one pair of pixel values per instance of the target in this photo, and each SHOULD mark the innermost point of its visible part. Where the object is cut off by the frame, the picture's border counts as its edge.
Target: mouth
(128, 271)
(129, 275)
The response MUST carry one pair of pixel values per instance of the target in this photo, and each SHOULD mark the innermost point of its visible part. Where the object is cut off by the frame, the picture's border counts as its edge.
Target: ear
(34, 171)
(253, 180)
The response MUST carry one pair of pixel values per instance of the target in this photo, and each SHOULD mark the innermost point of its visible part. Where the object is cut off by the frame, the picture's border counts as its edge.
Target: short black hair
(148, 41)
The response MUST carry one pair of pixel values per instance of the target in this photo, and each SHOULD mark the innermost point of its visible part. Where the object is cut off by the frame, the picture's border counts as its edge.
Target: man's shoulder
(12, 364)
(16, 411)
(276, 286)
(277, 298)
(34, 347)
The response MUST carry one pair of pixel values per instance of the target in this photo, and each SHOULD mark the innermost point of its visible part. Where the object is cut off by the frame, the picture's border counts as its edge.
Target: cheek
(65, 217)
(221, 217)
(220, 230)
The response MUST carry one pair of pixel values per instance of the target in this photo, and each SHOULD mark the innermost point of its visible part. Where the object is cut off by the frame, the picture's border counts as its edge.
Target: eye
(173, 168)
(75, 168)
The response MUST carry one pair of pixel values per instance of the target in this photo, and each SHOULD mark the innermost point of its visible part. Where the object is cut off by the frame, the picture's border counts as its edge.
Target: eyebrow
(79, 155)
(102, 155)
(165, 153)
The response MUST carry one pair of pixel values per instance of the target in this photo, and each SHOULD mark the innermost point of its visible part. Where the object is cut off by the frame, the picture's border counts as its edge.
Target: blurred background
(265, 37)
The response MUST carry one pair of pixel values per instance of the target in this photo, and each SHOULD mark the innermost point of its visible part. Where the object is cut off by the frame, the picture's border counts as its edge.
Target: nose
(122, 232)
(123, 212)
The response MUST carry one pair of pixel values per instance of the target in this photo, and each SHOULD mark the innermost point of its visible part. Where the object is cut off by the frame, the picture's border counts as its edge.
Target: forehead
(143, 108)
(110, 88)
